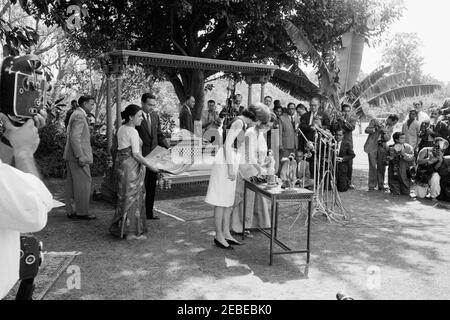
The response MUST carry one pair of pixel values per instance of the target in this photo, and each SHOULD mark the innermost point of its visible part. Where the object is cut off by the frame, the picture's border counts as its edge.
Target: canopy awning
(129, 57)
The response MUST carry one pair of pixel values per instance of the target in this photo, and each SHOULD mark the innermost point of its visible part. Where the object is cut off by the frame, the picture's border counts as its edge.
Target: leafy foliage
(15, 37)
(402, 52)
(233, 30)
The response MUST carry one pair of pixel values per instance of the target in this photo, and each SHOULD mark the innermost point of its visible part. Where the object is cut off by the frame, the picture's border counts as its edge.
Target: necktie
(149, 121)
(312, 118)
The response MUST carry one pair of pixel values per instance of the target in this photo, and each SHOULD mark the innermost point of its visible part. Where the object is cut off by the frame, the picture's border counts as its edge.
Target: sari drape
(129, 217)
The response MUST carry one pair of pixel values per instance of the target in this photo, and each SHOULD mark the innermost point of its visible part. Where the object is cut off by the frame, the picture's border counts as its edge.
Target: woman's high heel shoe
(221, 246)
(233, 242)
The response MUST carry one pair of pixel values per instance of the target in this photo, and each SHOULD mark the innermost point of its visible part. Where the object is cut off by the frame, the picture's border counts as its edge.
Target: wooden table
(276, 195)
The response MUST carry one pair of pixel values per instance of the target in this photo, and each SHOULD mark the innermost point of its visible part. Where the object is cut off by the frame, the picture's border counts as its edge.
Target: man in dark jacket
(345, 154)
(186, 117)
(348, 124)
(151, 136)
(308, 123)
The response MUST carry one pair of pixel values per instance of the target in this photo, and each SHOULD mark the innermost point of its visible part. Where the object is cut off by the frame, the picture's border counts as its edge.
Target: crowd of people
(414, 156)
(417, 162)
(417, 159)
(414, 161)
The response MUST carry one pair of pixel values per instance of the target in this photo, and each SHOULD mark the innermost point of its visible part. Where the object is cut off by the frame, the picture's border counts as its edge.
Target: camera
(23, 87)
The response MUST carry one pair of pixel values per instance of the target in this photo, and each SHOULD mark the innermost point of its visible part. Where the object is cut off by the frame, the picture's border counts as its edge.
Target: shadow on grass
(179, 259)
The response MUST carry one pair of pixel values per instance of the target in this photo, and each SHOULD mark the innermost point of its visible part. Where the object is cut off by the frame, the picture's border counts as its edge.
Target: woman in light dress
(222, 184)
(257, 212)
(129, 220)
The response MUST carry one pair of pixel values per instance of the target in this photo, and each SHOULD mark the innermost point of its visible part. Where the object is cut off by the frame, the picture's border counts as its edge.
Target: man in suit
(308, 123)
(348, 124)
(344, 153)
(151, 136)
(186, 118)
(288, 124)
(78, 157)
(376, 148)
(312, 118)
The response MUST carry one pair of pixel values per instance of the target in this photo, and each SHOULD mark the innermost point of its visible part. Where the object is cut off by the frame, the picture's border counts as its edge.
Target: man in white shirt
(24, 199)
(422, 116)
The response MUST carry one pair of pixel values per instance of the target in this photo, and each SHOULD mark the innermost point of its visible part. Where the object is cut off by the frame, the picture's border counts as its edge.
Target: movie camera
(23, 88)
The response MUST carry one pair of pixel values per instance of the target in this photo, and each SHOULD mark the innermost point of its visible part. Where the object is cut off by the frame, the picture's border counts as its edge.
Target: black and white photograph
(224, 155)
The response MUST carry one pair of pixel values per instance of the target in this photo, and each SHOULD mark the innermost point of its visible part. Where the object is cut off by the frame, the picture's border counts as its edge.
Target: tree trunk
(192, 82)
(198, 91)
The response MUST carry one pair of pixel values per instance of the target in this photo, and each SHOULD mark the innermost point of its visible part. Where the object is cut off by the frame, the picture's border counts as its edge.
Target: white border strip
(169, 215)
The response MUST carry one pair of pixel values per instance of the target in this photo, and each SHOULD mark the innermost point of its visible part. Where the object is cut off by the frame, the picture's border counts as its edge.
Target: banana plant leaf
(302, 42)
(295, 83)
(349, 59)
(400, 93)
(368, 81)
(384, 84)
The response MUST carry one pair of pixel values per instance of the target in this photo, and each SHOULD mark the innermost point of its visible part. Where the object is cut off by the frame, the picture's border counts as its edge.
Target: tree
(331, 35)
(13, 35)
(219, 29)
(402, 52)
(250, 30)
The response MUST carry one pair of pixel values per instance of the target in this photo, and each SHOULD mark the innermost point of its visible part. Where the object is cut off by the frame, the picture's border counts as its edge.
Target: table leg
(308, 232)
(272, 228)
(276, 220)
(244, 212)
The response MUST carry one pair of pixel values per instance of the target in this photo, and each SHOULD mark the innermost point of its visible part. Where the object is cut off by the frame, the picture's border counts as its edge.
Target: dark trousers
(342, 181)
(350, 172)
(150, 189)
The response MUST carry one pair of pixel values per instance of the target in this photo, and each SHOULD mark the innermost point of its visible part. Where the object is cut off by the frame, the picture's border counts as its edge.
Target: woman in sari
(129, 220)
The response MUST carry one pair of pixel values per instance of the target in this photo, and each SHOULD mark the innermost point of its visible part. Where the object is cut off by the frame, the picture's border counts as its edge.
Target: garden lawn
(392, 248)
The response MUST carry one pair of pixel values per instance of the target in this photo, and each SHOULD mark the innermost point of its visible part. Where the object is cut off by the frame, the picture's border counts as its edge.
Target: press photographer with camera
(376, 147)
(24, 199)
(430, 160)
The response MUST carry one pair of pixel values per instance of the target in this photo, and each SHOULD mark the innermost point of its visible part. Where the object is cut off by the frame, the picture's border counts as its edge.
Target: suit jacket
(78, 145)
(348, 126)
(151, 137)
(346, 153)
(306, 127)
(289, 138)
(371, 144)
(186, 119)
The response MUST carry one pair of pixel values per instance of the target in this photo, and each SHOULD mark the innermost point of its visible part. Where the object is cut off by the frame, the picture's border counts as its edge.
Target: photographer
(429, 163)
(376, 148)
(24, 199)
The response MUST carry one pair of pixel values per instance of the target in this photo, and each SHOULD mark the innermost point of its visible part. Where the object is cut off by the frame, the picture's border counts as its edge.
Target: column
(263, 91)
(109, 122)
(118, 100)
(250, 93)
